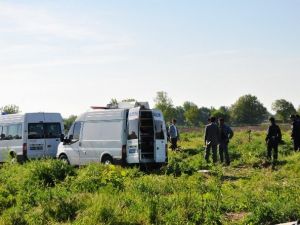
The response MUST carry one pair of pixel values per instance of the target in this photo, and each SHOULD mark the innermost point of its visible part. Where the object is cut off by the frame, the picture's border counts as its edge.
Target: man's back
(173, 132)
(212, 134)
(274, 133)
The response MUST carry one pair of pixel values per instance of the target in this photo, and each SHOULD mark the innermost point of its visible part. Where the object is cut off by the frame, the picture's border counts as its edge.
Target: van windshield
(159, 131)
(44, 130)
(133, 129)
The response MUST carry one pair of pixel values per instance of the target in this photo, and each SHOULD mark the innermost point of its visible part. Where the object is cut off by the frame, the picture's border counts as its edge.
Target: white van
(121, 135)
(30, 135)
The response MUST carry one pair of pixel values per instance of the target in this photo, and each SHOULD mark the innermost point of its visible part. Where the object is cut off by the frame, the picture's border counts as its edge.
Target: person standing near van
(273, 139)
(174, 134)
(226, 134)
(211, 140)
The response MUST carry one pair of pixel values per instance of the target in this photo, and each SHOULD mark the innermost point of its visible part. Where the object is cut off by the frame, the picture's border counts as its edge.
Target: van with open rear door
(123, 134)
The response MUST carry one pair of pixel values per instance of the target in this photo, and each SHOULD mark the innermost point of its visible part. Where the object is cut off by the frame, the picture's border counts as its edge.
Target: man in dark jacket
(211, 139)
(273, 139)
(296, 132)
(226, 134)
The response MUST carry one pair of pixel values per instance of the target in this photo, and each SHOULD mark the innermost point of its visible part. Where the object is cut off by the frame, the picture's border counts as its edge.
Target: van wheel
(13, 157)
(107, 160)
(65, 159)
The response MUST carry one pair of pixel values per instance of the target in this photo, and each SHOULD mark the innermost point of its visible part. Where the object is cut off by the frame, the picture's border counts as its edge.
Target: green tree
(165, 104)
(204, 114)
(222, 112)
(283, 109)
(68, 122)
(248, 110)
(187, 105)
(192, 115)
(10, 109)
(298, 111)
(179, 115)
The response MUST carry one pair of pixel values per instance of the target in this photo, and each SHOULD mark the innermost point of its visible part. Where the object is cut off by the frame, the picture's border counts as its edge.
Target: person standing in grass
(211, 140)
(273, 139)
(295, 132)
(226, 134)
(174, 135)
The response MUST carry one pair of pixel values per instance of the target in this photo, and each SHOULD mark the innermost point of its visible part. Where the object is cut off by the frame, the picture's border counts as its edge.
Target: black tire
(107, 160)
(13, 157)
(64, 158)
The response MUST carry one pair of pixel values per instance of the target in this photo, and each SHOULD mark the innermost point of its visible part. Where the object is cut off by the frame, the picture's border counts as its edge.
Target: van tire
(13, 157)
(64, 158)
(107, 160)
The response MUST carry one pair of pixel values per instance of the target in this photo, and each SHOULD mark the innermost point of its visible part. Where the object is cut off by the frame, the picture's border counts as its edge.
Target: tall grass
(247, 192)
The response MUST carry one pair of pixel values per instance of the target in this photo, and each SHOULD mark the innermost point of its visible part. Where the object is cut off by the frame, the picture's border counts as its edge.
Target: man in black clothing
(296, 132)
(273, 139)
(226, 134)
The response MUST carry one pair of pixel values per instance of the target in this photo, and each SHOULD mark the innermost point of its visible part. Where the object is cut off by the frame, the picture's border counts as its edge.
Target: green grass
(250, 191)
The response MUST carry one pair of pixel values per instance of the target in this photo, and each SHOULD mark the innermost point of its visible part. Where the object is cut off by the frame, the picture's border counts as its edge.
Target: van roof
(102, 114)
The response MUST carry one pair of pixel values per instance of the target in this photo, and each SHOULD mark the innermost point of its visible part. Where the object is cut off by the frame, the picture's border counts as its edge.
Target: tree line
(247, 110)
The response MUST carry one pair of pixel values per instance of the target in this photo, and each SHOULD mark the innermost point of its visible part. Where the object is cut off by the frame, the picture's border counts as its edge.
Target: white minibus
(30, 135)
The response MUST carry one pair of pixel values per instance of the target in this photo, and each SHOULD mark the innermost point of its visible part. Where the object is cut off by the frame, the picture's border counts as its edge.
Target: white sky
(63, 57)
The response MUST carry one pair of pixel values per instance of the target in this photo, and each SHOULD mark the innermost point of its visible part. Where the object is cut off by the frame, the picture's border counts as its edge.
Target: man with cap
(273, 139)
(211, 139)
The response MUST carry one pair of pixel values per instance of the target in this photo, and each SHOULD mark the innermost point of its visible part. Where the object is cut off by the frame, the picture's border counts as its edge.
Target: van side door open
(132, 147)
(160, 137)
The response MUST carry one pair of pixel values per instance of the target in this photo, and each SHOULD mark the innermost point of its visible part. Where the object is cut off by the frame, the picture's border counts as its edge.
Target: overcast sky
(65, 56)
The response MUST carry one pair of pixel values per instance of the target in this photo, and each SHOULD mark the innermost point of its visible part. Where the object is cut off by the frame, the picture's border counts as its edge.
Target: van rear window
(44, 130)
(133, 129)
(159, 131)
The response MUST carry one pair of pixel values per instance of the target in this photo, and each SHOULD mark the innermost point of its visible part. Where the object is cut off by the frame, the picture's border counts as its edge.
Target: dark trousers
(223, 151)
(173, 143)
(296, 144)
(214, 149)
(274, 147)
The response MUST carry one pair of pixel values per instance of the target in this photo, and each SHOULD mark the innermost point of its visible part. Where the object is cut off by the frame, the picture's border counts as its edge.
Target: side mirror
(68, 139)
(2, 136)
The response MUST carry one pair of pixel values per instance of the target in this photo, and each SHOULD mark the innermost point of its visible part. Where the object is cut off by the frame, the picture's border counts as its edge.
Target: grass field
(250, 191)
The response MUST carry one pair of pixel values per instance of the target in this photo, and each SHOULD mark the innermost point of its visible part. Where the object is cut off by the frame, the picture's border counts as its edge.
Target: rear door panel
(132, 147)
(160, 137)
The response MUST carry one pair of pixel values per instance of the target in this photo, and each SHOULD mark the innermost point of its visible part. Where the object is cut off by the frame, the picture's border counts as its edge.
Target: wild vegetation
(186, 191)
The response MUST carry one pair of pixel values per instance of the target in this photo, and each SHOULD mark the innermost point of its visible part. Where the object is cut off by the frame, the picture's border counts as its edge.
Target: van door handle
(80, 144)
(49, 146)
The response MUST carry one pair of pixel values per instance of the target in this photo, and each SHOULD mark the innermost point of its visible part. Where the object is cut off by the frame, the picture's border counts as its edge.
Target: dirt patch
(236, 216)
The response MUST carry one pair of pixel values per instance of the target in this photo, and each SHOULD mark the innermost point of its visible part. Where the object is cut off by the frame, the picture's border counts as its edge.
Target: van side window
(19, 131)
(76, 131)
(10, 132)
(52, 130)
(44, 130)
(35, 131)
